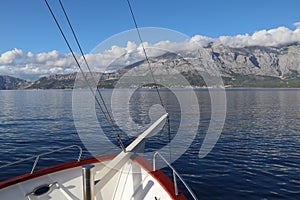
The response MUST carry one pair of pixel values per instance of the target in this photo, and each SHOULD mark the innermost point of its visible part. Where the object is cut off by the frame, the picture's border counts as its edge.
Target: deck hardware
(88, 182)
(174, 173)
(42, 189)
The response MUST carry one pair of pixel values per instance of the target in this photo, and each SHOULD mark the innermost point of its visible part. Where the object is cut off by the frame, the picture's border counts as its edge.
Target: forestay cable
(108, 117)
(149, 66)
(144, 50)
(93, 78)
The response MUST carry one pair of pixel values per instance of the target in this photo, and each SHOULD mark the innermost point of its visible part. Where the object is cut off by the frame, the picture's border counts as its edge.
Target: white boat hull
(134, 180)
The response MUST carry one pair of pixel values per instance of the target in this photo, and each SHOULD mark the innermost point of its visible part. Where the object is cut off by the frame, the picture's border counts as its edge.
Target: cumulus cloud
(10, 57)
(297, 25)
(31, 66)
(273, 37)
(29, 55)
(44, 57)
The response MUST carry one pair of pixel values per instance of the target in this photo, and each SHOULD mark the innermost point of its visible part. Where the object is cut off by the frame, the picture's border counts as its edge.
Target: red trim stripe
(54, 168)
(158, 175)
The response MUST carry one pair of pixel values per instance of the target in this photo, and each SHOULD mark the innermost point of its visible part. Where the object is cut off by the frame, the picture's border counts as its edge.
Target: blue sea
(256, 157)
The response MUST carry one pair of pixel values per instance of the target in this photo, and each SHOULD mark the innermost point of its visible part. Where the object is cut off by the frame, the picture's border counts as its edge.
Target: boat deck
(134, 180)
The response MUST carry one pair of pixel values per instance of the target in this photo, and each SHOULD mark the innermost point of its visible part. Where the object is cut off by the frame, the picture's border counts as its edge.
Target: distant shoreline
(195, 88)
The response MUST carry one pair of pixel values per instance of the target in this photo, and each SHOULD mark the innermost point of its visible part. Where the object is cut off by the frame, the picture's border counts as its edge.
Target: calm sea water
(256, 157)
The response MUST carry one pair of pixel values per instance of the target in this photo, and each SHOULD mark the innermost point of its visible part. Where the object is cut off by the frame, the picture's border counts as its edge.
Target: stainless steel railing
(175, 174)
(37, 157)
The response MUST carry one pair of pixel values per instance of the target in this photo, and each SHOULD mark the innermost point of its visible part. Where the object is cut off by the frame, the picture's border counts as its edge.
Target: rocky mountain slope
(254, 66)
(12, 83)
(239, 67)
(280, 62)
(55, 81)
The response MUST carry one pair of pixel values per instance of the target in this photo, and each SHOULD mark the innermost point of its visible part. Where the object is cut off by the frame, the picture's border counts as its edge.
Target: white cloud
(297, 25)
(45, 57)
(201, 40)
(272, 37)
(56, 70)
(30, 66)
(30, 54)
(10, 57)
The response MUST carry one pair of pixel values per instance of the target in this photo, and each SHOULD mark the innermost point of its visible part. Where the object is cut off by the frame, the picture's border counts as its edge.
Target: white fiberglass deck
(132, 181)
(122, 176)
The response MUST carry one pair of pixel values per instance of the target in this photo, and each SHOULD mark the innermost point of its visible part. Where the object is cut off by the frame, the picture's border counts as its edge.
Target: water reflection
(256, 157)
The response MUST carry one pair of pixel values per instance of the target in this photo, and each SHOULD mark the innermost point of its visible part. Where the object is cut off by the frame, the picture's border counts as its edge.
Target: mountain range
(255, 66)
(12, 83)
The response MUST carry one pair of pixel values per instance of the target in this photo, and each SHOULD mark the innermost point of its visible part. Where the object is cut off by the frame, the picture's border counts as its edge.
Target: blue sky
(31, 45)
(27, 25)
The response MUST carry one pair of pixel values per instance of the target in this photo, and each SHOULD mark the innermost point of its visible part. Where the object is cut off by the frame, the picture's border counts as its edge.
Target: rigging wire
(82, 54)
(150, 68)
(93, 78)
(107, 117)
(144, 50)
